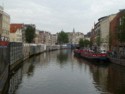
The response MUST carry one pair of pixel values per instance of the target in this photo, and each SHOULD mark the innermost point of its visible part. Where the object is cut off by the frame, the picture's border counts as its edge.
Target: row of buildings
(104, 33)
(74, 37)
(15, 32)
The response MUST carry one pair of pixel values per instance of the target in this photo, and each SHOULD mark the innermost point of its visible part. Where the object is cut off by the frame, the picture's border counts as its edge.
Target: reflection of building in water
(100, 77)
(45, 58)
(15, 81)
(27, 68)
(29, 65)
(110, 79)
(116, 79)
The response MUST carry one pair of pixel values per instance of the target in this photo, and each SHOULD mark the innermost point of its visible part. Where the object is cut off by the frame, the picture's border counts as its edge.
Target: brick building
(114, 29)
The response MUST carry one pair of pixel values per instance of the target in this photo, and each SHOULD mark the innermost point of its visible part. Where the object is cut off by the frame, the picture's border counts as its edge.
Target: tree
(30, 34)
(84, 43)
(62, 37)
(81, 42)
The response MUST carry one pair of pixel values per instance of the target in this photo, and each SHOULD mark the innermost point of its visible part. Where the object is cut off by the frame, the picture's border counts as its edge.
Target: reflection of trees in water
(43, 60)
(62, 57)
(80, 62)
(30, 70)
(33, 61)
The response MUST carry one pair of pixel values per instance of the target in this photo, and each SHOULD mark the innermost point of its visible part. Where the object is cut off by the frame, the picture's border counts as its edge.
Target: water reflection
(30, 70)
(116, 79)
(60, 72)
(62, 57)
(100, 77)
(14, 81)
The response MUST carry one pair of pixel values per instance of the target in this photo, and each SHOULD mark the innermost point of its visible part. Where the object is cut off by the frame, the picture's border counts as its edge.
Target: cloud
(55, 15)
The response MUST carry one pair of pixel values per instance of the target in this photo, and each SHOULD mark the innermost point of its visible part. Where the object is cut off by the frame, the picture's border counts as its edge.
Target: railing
(16, 52)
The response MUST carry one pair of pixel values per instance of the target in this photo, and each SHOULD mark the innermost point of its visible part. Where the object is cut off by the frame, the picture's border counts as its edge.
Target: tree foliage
(121, 30)
(62, 37)
(81, 43)
(30, 34)
(84, 43)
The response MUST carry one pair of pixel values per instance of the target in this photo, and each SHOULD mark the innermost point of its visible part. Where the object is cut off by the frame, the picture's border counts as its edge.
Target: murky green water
(59, 72)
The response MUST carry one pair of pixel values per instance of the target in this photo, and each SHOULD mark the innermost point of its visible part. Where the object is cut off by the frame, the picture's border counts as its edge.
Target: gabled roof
(14, 27)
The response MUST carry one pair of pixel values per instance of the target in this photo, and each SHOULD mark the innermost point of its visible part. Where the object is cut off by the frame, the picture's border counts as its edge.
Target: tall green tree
(30, 34)
(84, 43)
(81, 42)
(62, 37)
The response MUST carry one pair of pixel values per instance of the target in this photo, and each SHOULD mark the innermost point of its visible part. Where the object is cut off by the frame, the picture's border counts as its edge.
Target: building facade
(87, 36)
(74, 37)
(53, 39)
(37, 36)
(41, 37)
(48, 38)
(16, 32)
(4, 25)
(101, 32)
(114, 25)
(105, 32)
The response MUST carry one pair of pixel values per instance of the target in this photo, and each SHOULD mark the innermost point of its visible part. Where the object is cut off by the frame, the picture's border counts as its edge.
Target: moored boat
(77, 52)
(91, 55)
(4, 43)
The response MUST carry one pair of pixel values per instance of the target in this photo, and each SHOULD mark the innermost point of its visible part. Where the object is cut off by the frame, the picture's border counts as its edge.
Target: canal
(59, 72)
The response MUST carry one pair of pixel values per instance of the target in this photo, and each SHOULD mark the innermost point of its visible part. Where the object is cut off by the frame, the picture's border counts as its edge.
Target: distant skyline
(55, 15)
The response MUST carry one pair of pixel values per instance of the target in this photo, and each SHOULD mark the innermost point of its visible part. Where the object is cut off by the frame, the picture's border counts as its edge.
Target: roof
(14, 27)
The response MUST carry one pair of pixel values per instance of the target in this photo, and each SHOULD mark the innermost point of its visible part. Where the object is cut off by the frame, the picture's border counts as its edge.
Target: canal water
(59, 72)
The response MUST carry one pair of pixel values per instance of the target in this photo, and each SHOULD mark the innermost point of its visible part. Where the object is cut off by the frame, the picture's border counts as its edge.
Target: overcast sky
(55, 15)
